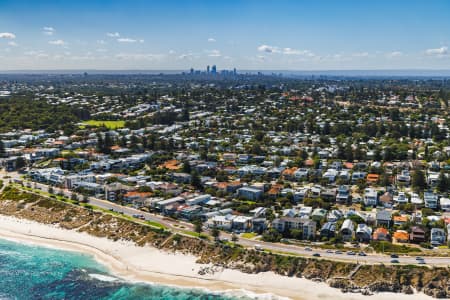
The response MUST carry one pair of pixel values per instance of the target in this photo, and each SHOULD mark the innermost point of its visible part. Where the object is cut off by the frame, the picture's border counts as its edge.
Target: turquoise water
(33, 272)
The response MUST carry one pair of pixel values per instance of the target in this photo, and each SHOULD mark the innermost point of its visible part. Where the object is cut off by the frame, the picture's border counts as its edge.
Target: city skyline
(248, 35)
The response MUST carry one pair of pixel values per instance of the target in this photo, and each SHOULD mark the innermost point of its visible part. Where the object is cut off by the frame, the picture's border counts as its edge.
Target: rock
(407, 289)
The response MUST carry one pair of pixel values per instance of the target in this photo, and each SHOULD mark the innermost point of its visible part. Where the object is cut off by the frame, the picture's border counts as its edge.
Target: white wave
(102, 277)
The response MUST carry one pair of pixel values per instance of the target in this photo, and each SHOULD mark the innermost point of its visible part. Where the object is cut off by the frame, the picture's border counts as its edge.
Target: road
(179, 226)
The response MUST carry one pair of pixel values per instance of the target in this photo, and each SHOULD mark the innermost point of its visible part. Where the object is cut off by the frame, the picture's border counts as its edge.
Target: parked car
(316, 254)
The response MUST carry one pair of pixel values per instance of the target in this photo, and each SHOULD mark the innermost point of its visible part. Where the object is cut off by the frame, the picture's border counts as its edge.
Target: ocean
(34, 272)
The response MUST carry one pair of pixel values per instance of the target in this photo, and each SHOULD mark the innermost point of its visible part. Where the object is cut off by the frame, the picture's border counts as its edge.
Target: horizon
(249, 35)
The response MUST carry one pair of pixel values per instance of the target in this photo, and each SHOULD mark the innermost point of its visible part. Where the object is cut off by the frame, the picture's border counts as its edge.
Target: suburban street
(180, 226)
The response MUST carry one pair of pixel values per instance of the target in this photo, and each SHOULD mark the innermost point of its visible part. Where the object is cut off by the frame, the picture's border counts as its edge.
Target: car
(338, 252)
(362, 254)
(421, 262)
(316, 254)
(285, 241)
(419, 258)
(111, 209)
(394, 261)
(224, 239)
(393, 255)
(329, 251)
(308, 249)
(351, 253)
(258, 247)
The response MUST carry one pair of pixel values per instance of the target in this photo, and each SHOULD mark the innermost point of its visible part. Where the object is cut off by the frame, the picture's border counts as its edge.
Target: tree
(443, 183)
(198, 226)
(195, 180)
(20, 162)
(418, 180)
(215, 232)
(2, 149)
(186, 167)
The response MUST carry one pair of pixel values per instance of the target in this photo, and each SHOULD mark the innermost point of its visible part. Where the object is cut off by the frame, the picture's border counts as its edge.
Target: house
(347, 230)
(307, 226)
(444, 204)
(400, 199)
(133, 197)
(305, 212)
(328, 195)
(198, 200)
(331, 175)
(181, 177)
(358, 176)
(416, 200)
(328, 230)
(401, 236)
(400, 220)
(335, 215)
(242, 224)
(363, 233)
(417, 235)
(250, 193)
(301, 174)
(431, 200)
(370, 197)
(386, 200)
(221, 222)
(381, 234)
(437, 236)
(343, 194)
(403, 178)
(372, 178)
(384, 218)
(318, 214)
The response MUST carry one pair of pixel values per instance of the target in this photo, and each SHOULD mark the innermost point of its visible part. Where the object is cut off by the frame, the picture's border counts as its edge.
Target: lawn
(107, 124)
(248, 235)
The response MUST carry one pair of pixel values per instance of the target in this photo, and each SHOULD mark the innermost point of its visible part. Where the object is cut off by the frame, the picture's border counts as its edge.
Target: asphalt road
(176, 226)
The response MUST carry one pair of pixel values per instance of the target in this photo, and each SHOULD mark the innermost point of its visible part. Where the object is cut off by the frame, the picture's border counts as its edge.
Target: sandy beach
(146, 264)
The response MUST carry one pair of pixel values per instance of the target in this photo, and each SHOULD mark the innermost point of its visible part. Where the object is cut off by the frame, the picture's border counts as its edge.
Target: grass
(248, 235)
(107, 124)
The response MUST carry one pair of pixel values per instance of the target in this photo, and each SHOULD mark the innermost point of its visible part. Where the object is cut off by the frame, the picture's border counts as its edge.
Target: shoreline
(149, 265)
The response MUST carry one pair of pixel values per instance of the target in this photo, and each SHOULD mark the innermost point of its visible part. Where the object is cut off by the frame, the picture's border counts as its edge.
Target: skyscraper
(213, 69)
(207, 69)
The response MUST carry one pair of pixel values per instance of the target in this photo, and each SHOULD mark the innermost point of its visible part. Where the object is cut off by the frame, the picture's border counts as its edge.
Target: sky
(246, 34)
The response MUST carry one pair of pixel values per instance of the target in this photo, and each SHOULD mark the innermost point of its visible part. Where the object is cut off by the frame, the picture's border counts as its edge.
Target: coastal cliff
(347, 277)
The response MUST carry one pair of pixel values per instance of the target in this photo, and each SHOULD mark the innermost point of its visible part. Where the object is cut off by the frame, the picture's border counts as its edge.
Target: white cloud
(188, 56)
(361, 54)
(211, 40)
(214, 53)
(7, 35)
(172, 51)
(439, 52)
(394, 54)
(13, 44)
(113, 34)
(268, 49)
(101, 42)
(286, 51)
(57, 42)
(129, 40)
(48, 30)
(139, 56)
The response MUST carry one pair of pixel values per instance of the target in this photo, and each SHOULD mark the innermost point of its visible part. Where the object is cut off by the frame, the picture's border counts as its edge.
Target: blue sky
(251, 34)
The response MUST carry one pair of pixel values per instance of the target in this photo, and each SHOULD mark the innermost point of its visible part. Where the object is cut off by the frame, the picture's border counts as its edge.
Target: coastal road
(180, 226)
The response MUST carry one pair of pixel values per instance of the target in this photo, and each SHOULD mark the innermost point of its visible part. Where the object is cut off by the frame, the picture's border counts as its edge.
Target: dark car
(393, 255)
(316, 254)
(362, 254)
(394, 261)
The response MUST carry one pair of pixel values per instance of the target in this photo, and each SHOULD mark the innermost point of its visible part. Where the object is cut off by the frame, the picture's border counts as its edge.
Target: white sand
(148, 264)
